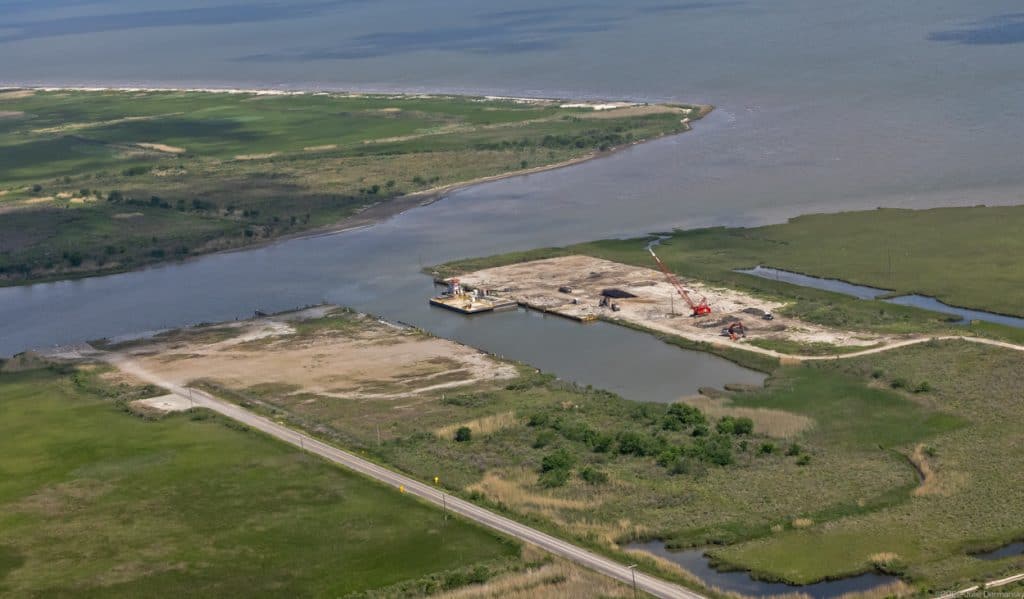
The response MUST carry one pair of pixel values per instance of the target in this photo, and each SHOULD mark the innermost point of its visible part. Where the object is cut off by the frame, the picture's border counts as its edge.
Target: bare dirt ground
(161, 148)
(162, 404)
(536, 284)
(368, 360)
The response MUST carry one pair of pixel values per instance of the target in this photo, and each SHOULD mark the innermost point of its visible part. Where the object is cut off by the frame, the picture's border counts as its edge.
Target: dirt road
(593, 561)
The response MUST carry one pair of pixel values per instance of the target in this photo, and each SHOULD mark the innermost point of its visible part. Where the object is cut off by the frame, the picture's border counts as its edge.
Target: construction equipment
(700, 308)
(735, 331)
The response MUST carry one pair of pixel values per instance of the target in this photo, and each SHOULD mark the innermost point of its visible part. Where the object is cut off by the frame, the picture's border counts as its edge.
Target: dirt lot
(347, 357)
(537, 284)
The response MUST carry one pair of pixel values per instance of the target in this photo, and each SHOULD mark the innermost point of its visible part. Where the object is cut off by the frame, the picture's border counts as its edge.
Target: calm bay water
(822, 106)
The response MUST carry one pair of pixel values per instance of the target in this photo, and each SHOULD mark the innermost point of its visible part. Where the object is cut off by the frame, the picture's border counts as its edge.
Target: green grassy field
(96, 502)
(970, 504)
(104, 181)
(821, 487)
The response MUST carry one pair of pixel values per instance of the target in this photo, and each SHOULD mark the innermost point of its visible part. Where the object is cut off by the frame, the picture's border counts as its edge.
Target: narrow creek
(1008, 550)
(924, 302)
(698, 564)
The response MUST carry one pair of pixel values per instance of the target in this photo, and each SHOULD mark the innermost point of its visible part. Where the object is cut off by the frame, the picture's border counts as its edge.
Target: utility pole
(632, 569)
(191, 404)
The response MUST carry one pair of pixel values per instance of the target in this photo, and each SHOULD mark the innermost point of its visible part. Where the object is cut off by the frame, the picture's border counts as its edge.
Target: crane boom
(700, 308)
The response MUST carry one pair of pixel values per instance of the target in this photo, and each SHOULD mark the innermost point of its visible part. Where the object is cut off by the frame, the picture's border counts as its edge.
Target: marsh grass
(102, 503)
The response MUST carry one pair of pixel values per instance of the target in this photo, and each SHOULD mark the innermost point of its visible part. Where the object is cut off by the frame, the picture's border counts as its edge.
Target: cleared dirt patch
(161, 148)
(656, 305)
(96, 124)
(255, 156)
(354, 358)
(11, 114)
(163, 404)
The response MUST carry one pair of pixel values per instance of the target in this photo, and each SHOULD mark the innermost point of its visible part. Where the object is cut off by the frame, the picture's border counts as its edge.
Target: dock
(466, 301)
(466, 304)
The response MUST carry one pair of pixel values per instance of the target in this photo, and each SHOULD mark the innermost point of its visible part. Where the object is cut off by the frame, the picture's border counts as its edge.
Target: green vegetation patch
(96, 502)
(95, 182)
(964, 503)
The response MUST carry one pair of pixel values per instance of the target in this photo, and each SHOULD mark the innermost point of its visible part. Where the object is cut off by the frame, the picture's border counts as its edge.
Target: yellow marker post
(437, 480)
(401, 488)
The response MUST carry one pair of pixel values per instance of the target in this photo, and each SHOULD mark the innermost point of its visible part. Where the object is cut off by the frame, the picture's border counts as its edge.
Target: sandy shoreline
(596, 103)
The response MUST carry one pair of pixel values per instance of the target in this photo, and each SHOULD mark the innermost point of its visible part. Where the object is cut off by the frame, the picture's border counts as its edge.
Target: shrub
(639, 444)
(463, 434)
(701, 430)
(543, 439)
(559, 460)
(717, 449)
(576, 431)
(922, 387)
(793, 449)
(554, 478)
(594, 476)
(538, 419)
(767, 448)
(900, 383)
(685, 415)
(729, 425)
(744, 426)
(602, 443)
(679, 464)
(803, 460)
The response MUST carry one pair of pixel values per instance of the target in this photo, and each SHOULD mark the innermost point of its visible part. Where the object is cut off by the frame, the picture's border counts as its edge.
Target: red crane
(700, 308)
